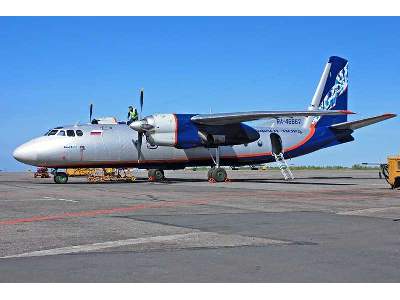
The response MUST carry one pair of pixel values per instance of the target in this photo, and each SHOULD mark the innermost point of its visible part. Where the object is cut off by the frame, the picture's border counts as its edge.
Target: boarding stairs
(283, 166)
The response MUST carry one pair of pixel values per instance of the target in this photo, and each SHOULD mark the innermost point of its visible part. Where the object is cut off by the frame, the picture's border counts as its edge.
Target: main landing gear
(60, 177)
(156, 175)
(217, 174)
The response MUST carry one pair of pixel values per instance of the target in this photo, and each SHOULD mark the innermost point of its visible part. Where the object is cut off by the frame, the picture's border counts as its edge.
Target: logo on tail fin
(332, 91)
(338, 88)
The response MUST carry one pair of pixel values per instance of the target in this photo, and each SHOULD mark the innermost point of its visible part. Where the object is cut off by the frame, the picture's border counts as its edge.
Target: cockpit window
(52, 132)
(61, 132)
(79, 133)
(70, 133)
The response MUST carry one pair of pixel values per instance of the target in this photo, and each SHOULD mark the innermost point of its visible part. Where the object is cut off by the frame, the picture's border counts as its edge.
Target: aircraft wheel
(60, 177)
(209, 174)
(159, 174)
(156, 174)
(219, 175)
(396, 183)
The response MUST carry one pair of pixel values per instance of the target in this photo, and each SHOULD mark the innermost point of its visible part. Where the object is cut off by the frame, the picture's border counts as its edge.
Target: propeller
(141, 102)
(141, 126)
(90, 113)
(139, 145)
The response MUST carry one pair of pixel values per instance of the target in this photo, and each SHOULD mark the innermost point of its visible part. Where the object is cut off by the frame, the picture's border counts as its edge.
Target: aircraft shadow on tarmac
(171, 180)
(181, 180)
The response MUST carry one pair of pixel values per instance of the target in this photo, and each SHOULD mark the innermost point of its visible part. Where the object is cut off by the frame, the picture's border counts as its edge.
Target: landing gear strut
(217, 174)
(60, 177)
(156, 175)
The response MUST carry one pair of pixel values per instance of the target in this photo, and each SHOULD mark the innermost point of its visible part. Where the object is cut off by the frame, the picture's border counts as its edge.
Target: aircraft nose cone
(25, 154)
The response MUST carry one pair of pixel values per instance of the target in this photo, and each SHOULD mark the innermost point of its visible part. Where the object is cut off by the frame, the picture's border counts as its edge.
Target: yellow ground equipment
(42, 173)
(110, 174)
(79, 172)
(394, 171)
(391, 171)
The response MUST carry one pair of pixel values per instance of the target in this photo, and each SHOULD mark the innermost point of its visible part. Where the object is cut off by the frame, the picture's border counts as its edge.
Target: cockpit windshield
(52, 132)
(62, 132)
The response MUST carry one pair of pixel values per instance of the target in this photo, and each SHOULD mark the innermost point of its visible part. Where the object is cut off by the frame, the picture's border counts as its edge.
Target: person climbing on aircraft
(132, 115)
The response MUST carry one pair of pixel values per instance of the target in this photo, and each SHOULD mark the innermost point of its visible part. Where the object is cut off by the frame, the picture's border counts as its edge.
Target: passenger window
(53, 132)
(61, 132)
(79, 133)
(70, 133)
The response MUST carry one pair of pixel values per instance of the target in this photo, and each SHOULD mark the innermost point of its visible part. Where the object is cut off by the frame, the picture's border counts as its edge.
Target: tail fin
(331, 93)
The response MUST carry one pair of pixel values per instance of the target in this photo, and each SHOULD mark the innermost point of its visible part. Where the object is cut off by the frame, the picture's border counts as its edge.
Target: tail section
(331, 93)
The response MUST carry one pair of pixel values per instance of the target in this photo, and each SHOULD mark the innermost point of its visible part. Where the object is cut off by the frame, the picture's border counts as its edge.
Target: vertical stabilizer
(331, 93)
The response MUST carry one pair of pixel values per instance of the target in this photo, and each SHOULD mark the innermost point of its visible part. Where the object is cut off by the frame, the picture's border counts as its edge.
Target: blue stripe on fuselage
(187, 135)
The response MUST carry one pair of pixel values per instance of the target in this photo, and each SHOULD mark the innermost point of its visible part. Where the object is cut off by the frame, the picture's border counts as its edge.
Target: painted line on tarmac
(186, 240)
(68, 200)
(99, 212)
(368, 210)
(39, 199)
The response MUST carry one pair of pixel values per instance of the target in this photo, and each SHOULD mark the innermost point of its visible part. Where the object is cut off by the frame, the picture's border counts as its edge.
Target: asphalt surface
(325, 226)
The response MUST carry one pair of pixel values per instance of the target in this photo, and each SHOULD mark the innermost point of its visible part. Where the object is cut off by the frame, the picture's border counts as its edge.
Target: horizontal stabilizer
(362, 123)
(233, 118)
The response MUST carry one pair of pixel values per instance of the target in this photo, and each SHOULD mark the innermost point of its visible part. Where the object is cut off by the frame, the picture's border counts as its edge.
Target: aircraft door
(276, 143)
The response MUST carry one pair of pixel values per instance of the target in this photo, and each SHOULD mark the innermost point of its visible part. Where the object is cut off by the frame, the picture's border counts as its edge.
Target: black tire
(159, 175)
(156, 174)
(151, 173)
(60, 178)
(209, 174)
(396, 183)
(219, 175)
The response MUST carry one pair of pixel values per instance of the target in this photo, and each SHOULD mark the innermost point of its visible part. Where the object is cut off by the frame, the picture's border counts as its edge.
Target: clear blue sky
(52, 68)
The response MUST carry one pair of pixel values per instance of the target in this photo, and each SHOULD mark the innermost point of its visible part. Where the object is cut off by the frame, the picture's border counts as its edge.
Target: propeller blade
(139, 145)
(90, 113)
(141, 101)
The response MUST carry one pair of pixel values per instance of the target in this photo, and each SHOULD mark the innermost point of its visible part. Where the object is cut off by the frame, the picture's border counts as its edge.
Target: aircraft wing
(353, 125)
(237, 117)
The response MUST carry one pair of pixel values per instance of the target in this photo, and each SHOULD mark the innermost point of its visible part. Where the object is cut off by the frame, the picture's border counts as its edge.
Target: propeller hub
(141, 125)
(137, 125)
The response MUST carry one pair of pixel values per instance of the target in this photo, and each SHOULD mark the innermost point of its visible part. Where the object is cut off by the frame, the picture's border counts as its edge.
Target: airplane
(175, 141)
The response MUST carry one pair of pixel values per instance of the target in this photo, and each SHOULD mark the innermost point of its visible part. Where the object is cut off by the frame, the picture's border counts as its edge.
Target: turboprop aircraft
(176, 141)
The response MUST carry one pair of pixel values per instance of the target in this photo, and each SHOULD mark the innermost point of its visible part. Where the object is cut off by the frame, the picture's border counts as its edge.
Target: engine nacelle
(164, 130)
(179, 131)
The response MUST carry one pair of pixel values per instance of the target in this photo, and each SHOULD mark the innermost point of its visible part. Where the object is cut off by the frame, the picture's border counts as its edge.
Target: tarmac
(324, 226)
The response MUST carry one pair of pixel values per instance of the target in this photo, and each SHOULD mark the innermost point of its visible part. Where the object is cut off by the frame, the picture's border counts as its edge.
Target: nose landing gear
(60, 177)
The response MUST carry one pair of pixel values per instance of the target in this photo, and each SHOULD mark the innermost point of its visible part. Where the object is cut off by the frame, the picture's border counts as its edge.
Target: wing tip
(347, 112)
(390, 115)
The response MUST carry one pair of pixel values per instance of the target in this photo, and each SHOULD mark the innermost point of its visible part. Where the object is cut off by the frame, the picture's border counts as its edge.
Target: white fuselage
(116, 145)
